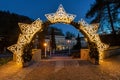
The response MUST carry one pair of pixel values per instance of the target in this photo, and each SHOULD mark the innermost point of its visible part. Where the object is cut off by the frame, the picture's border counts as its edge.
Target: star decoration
(60, 16)
(30, 28)
(16, 49)
(91, 32)
(24, 39)
(28, 31)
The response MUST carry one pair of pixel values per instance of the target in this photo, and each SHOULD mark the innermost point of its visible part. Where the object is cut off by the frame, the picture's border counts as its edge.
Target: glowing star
(91, 32)
(101, 46)
(24, 39)
(30, 28)
(17, 49)
(28, 31)
(24, 27)
(60, 16)
(89, 28)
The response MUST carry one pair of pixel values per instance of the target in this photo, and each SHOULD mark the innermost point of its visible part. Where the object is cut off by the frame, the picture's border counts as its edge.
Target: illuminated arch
(29, 30)
(89, 31)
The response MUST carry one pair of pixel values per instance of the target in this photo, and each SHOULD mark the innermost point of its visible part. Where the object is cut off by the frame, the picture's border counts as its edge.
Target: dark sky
(38, 8)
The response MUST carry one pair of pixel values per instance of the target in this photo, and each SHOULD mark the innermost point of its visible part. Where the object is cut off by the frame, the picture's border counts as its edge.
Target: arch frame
(96, 46)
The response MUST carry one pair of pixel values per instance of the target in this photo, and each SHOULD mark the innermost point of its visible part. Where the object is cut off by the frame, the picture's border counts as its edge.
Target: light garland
(24, 39)
(28, 31)
(17, 50)
(60, 16)
(91, 32)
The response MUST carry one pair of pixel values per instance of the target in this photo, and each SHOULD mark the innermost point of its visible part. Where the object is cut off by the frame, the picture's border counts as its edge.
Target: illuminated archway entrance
(29, 30)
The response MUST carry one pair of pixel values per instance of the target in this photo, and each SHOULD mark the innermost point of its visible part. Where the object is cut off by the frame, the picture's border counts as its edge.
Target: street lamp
(45, 44)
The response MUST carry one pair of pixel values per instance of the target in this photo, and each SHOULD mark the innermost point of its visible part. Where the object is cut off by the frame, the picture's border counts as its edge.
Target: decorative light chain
(28, 31)
(60, 16)
(91, 32)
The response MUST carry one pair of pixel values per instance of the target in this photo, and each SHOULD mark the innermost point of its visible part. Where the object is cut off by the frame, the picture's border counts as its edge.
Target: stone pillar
(36, 55)
(84, 54)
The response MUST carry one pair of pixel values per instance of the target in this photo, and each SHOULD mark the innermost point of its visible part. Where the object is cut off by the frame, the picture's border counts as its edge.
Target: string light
(91, 32)
(60, 16)
(28, 31)
(17, 50)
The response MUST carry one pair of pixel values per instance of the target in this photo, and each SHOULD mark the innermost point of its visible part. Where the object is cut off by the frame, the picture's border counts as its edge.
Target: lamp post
(45, 44)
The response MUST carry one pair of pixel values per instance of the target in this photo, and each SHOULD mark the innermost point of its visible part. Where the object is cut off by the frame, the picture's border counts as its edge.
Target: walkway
(63, 68)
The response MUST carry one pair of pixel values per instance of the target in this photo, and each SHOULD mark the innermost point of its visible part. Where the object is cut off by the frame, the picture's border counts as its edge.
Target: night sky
(38, 8)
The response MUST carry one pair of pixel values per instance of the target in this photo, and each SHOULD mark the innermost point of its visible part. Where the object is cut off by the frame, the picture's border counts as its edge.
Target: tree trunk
(110, 17)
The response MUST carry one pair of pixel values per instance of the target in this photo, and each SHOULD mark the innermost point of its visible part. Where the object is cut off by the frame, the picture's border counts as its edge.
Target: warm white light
(17, 49)
(60, 16)
(30, 28)
(28, 31)
(24, 39)
(45, 44)
(91, 32)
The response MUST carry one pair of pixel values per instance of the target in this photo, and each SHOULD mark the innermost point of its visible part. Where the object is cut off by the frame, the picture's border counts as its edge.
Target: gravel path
(68, 70)
(63, 69)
